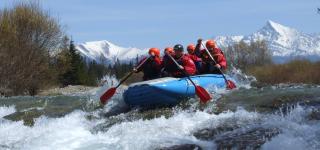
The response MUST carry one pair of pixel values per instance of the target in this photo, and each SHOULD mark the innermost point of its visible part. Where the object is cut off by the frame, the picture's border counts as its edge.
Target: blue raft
(168, 91)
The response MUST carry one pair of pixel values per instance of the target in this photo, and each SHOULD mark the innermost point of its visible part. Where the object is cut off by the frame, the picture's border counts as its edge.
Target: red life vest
(187, 63)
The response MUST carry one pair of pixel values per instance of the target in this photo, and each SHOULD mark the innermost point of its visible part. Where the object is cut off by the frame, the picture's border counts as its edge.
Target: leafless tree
(28, 35)
(243, 55)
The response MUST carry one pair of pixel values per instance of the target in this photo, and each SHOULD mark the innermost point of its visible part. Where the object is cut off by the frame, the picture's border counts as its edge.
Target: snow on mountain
(282, 41)
(108, 53)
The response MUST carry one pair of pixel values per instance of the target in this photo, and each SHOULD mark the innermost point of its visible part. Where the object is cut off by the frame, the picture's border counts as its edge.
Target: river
(270, 117)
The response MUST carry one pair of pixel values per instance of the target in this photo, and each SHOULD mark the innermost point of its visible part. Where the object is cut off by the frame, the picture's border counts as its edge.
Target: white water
(73, 131)
(6, 111)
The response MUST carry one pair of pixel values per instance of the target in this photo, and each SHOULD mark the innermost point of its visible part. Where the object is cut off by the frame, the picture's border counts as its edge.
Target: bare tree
(27, 37)
(243, 55)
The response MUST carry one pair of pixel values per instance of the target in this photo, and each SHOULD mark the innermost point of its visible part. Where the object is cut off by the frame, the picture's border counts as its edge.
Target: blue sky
(161, 23)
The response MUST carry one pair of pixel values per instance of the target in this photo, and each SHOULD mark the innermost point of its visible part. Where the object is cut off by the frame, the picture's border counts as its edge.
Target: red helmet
(210, 44)
(155, 51)
(168, 50)
(191, 48)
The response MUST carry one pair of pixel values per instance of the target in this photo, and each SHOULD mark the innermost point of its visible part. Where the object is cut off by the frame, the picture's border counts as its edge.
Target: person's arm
(197, 50)
(157, 63)
(139, 69)
(221, 61)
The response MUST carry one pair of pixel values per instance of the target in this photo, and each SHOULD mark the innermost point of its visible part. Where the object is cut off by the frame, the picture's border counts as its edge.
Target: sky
(162, 23)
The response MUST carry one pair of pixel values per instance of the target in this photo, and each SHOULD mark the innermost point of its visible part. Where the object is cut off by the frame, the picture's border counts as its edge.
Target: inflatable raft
(168, 91)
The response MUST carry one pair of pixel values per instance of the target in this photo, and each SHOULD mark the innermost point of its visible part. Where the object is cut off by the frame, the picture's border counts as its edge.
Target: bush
(297, 71)
(28, 36)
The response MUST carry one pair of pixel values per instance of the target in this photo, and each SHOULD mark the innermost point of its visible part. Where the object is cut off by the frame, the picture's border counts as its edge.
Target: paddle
(230, 84)
(110, 92)
(200, 91)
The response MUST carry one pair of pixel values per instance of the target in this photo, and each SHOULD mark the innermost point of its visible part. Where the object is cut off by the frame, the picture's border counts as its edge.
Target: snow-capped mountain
(108, 53)
(284, 42)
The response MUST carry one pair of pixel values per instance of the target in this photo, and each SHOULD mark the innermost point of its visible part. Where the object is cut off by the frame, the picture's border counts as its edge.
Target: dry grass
(298, 71)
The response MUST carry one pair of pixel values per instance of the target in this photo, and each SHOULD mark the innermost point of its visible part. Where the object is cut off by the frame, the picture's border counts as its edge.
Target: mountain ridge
(284, 42)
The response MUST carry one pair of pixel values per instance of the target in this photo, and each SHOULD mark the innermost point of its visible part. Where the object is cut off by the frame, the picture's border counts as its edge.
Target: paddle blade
(107, 95)
(202, 94)
(230, 85)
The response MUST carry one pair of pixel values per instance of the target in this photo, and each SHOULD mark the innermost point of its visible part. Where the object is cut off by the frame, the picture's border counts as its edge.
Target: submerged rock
(134, 114)
(314, 115)
(30, 108)
(27, 116)
(251, 138)
(211, 133)
(182, 147)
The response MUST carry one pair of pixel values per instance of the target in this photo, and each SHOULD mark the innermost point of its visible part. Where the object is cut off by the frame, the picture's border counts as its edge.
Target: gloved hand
(152, 54)
(199, 40)
(217, 66)
(135, 70)
(212, 63)
(181, 67)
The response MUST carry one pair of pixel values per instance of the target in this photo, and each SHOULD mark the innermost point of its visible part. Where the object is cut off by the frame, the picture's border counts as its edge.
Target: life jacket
(217, 55)
(151, 68)
(197, 61)
(187, 63)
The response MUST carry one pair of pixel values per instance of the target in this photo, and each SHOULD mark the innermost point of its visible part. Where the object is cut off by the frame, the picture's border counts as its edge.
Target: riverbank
(68, 90)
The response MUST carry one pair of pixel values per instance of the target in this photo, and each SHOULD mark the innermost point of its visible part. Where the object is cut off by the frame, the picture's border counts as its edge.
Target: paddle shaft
(214, 61)
(200, 91)
(188, 76)
(129, 74)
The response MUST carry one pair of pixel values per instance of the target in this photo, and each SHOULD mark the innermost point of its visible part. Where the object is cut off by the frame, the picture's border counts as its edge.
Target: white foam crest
(297, 132)
(107, 82)
(162, 132)
(159, 132)
(240, 78)
(116, 101)
(69, 132)
(6, 110)
(240, 117)
(73, 131)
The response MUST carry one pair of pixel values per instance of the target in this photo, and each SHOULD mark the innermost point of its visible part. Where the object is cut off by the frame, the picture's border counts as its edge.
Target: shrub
(28, 35)
(297, 71)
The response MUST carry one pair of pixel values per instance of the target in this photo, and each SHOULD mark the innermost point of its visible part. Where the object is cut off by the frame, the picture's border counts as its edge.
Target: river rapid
(269, 117)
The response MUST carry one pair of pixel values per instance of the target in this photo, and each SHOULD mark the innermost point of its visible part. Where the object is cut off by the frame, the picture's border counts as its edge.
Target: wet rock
(132, 115)
(30, 108)
(210, 133)
(5, 147)
(104, 127)
(314, 115)
(251, 138)
(182, 147)
(27, 116)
